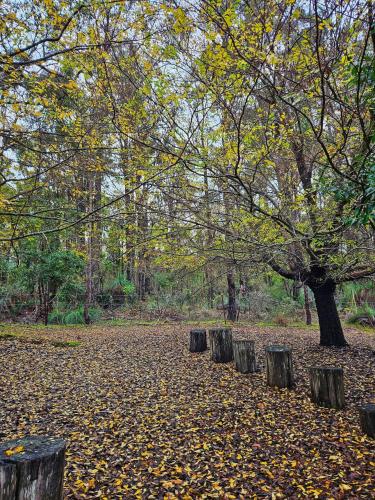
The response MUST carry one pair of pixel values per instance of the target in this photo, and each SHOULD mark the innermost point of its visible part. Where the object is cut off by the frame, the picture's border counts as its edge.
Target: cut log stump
(8, 481)
(367, 418)
(221, 345)
(327, 386)
(198, 340)
(279, 366)
(244, 356)
(32, 468)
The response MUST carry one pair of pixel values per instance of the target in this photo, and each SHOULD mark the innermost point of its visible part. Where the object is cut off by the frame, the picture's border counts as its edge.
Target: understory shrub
(364, 315)
(281, 320)
(73, 317)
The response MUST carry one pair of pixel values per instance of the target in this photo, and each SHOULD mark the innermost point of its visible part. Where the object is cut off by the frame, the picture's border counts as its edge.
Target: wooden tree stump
(198, 340)
(32, 469)
(244, 356)
(367, 419)
(279, 366)
(221, 345)
(327, 386)
(8, 481)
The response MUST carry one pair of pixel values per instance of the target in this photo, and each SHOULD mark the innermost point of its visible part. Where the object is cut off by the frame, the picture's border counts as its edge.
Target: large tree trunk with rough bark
(331, 333)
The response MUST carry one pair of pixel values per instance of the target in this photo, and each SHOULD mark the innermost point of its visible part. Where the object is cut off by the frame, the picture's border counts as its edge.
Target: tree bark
(295, 290)
(232, 307)
(367, 418)
(331, 333)
(244, 356)
(221, 345)
(198, 341)
(8, 480)
(279, 366)
(327, 387)
(307, 305)
(38, 464)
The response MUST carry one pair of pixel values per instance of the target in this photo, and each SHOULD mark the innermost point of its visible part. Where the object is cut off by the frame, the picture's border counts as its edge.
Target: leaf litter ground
(144, 418)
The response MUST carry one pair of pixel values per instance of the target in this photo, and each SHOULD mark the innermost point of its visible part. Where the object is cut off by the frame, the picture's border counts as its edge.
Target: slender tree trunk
(89, 285)
(232, 306)
(89, 294)
(307, 305)
(130, 222)
(46, 306)
(208, 243)
(331, 333)
(210, 288)
(96, 237)
(295, 290)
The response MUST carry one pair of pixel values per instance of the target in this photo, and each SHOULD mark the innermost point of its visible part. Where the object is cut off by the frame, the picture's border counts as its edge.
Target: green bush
(105, 299)
(121, 286)
(73, 317)
(70, 294)
(56, 318)
(364, 315)
(350, 293)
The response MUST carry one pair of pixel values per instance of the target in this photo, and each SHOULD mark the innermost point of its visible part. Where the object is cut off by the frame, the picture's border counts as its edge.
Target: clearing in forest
(144, 418)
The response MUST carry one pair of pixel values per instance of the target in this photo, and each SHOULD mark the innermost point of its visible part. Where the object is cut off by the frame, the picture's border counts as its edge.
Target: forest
(176, 163)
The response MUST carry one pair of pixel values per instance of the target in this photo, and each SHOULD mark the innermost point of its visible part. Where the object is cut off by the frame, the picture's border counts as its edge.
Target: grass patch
(8, 336)
(74, 317)
(292, 324)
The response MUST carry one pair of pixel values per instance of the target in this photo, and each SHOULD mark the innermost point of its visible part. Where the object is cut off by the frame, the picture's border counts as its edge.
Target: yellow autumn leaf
(345, 487)
(167, 484)
(13, 451)
(91, 483)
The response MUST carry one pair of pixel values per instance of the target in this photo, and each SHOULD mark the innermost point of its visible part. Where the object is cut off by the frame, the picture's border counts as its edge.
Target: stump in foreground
(279, 366)
(327, 386)
(367, 419)
(244, 356)
(221, 345)
(198, 341)
(8, 481)
(32, 469)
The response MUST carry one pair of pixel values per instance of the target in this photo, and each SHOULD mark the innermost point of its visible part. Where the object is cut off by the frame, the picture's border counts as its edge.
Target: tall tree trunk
(142, 281)
(209, 284)
(307, 305)
(89, 281)
(331, 333)
(93, 245)
(208, 243)
(295, 290)
(232, 306)
(97, 236)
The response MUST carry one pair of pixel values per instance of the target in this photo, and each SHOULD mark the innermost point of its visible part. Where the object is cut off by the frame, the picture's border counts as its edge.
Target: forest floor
(144, 418)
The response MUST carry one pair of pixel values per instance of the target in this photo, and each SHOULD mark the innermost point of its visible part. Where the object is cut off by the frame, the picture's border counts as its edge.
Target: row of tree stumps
(326, 382)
